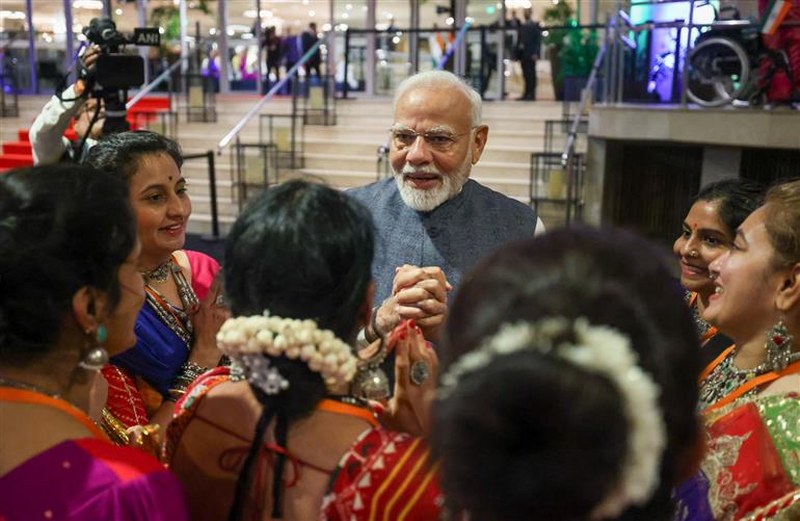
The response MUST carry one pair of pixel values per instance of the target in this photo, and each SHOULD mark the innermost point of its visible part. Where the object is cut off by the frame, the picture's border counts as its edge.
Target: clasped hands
(419, 294)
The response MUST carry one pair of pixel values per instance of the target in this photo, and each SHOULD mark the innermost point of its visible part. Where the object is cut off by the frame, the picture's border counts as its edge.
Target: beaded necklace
(175, 318)
(723, 379)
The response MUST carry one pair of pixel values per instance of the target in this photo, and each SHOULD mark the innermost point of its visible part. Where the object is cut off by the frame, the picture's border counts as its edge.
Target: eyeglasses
(439, 140)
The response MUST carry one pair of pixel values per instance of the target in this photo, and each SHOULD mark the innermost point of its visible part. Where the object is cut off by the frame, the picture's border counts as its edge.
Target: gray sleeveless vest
(455, 236)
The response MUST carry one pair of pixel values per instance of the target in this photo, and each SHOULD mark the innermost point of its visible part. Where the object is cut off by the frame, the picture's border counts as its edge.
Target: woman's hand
(146, 438)
(416, 374)
(207, 318)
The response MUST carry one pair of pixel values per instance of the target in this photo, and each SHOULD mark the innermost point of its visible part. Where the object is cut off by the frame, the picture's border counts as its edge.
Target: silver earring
(779, 347)
(96, 357)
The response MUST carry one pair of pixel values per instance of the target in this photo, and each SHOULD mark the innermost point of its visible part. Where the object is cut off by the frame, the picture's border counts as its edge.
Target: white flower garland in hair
(246, 339)
(604, 351)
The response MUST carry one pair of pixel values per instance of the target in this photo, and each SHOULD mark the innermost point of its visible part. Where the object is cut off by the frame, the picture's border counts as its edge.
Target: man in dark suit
(529, 43)
(309, 38)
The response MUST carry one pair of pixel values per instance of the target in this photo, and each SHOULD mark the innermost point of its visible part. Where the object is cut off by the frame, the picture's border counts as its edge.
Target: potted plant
(571, 50)
(558, 15)
(577, 57)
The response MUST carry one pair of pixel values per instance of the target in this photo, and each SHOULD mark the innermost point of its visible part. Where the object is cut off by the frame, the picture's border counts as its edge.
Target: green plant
(578, 52)
(168, 17)
(559, 13)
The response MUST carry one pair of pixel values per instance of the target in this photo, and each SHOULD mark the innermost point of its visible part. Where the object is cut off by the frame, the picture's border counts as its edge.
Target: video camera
(115, 72)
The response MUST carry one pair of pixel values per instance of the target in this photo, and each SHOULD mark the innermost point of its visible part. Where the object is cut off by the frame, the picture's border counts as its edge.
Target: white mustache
(430, 169)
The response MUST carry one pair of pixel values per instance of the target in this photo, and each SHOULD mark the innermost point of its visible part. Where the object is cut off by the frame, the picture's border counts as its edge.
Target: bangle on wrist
(373, 327)
(188, 373)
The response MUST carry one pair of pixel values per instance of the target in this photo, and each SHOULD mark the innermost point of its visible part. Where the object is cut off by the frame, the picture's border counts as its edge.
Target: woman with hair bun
(567, 395)
(287, 433)
(69, 296)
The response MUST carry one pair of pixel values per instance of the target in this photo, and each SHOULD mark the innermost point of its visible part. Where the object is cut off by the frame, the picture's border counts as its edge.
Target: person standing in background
(528, 44)
(309, 38)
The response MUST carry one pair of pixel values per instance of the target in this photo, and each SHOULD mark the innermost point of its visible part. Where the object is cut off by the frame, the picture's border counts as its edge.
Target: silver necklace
(160, 273)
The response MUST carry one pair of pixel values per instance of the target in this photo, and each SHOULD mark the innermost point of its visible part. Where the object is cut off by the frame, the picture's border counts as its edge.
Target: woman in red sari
(749, 394)
(69, 295)
(288, 432)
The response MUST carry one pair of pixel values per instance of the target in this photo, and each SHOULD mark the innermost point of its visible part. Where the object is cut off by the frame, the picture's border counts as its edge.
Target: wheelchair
(723, 65)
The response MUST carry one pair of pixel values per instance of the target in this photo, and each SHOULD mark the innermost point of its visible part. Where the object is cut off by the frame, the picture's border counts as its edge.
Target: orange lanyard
(713, 365)
(9, 394)
(758, 381)
(712, 330)
(328, 405)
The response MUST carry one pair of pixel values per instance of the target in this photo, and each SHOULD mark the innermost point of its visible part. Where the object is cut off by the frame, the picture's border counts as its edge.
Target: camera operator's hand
(88, 65)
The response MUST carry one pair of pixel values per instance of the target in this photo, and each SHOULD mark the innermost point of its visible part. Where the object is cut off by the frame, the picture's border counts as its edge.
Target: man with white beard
(433, 223)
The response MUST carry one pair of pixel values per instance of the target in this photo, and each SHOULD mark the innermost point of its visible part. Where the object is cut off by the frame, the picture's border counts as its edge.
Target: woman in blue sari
(177, 326)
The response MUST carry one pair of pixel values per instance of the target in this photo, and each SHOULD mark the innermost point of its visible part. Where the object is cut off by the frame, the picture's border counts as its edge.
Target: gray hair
(441, 79)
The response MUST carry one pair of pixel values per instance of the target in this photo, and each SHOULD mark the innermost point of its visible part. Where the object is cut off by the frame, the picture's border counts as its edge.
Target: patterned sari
(751, 469)
(384, 475)
(138, 379)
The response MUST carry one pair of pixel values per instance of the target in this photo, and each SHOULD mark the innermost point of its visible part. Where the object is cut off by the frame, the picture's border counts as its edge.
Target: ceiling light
(12, 15)
(88, 4)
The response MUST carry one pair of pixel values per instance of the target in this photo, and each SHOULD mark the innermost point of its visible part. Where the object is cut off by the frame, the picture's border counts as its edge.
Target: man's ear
(479, 142)
(788, 297)
(89, 308)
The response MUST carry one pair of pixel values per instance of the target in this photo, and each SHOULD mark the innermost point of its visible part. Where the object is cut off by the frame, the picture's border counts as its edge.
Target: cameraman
(47, 132)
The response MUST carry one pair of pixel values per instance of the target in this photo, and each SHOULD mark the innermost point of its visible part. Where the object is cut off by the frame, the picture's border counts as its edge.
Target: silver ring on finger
(419, 372)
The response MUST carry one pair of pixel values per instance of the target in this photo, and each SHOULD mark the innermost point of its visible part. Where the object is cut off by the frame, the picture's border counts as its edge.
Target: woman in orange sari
(707, 232)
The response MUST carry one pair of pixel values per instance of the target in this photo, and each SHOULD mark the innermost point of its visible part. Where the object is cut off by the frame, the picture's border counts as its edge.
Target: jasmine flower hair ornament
(247, 339)
(606, 352)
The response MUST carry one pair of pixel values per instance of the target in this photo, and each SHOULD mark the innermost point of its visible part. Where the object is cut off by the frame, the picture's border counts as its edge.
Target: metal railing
(613, 43)
(290, 75)
(212, 187)
(456, 45)
(147, 89)
(9, 100)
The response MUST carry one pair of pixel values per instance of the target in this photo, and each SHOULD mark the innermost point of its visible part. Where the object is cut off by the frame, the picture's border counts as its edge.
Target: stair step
(15, 160)
(22, 148)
